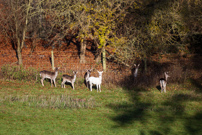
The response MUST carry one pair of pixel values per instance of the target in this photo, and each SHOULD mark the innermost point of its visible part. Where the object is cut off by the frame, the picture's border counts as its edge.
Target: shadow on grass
(128, 114)
(194, 124)
(197, 83)
(165, 114)
(158, 88)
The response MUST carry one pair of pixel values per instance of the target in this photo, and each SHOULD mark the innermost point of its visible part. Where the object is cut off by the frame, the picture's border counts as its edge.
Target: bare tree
(16, 17)
(64, 19)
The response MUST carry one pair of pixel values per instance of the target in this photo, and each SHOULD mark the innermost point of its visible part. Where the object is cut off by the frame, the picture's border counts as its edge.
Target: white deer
(163, 82)
(86, 77)
(70, 79)
(50, 75)
(96, 80)
(135, 70)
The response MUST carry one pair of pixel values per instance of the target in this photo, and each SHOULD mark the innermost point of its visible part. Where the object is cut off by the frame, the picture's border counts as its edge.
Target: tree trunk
(33, 45)
(97, 59)
(19, 55)
(83, 51)
(52, 60)
(97, 52)
(20, 41)
(145, 65)
(104, 59)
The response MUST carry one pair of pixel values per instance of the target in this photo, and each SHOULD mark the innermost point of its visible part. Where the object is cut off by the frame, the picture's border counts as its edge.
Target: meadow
(29, 108)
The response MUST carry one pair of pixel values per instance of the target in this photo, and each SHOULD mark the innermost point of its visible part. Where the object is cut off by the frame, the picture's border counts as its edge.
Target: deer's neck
(135, 73)
(74, 77)
(100, 77)
(166, 78)
(56, 73)
(88, 75)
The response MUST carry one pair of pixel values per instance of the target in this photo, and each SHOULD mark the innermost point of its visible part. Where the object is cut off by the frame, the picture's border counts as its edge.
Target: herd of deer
(71, 79)
(90, 81)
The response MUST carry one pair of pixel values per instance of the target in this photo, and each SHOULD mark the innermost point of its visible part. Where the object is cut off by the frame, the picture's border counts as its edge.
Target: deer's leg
(54, 82)
(97, 87)
(87, 84)
(161, 87)
(51, 82)
(42, 81)
(90, 86)
(61, 84)
(73, 85)
(64, 84)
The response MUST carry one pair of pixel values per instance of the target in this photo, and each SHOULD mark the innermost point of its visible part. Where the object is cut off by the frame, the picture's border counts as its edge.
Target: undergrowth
(18, 73)
(49, 101)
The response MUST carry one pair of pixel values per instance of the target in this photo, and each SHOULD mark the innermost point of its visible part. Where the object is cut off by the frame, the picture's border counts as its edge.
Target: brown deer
(70, 79)
(50, 75)
(86, 77)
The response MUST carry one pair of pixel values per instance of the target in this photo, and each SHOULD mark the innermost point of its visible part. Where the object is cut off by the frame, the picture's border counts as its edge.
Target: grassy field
(29, 108)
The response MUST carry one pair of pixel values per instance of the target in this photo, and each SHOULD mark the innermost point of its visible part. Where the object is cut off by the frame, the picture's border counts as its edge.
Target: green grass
(29, 108)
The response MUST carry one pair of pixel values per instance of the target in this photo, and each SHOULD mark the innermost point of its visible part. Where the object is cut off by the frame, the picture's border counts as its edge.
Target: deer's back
(48, 74)
(95, 80)
(67, 77)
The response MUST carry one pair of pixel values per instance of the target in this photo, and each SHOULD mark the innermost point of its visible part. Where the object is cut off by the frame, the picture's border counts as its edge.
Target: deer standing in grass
(163, 82)
(86, 77)
(96, 80)
(70, 79)
(50, 75)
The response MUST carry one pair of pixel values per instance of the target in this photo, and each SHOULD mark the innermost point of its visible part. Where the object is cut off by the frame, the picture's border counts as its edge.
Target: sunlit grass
(29, 108)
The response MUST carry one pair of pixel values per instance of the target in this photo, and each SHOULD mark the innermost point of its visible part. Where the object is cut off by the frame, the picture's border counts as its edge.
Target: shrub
(18, 73)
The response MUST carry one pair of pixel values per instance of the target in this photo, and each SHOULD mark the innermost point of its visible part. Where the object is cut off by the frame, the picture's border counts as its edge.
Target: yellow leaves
(102, 41)
(136, 6)
(122, 40)
(72, 25)
(154, 27)
(197, 2)
(137, 54)
(101, 17)
(96, 23)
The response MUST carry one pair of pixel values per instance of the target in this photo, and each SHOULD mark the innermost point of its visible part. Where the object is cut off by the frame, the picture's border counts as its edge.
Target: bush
(18, 73)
